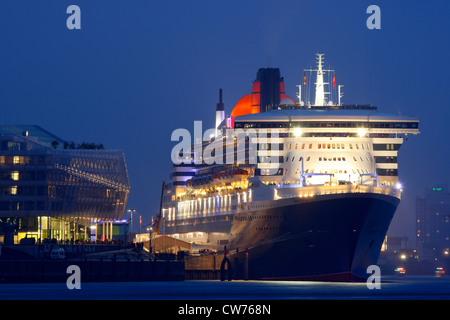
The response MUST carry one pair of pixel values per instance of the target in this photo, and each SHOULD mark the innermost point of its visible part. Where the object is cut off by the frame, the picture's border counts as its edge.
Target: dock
(222, 266)
(112, 263)
(102, 263)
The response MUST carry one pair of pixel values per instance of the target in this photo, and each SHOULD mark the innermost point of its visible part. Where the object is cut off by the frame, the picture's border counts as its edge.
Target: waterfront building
(433, 223)
(53, 189)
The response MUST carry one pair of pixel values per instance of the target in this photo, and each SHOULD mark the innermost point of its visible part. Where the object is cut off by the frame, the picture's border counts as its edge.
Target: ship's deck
(292, 191)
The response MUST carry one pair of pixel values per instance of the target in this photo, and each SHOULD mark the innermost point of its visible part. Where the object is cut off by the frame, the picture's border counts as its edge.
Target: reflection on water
(391, 288)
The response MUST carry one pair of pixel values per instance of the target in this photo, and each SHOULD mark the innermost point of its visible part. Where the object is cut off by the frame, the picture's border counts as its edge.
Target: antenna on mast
(340, 94)
(299, 95)
(220, 113)
(320, 93)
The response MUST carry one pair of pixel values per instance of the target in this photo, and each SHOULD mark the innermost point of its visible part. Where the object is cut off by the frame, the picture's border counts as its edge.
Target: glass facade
(52, 191)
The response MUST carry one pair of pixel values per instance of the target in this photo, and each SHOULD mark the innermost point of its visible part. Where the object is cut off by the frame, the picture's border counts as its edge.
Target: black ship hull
(329, 237)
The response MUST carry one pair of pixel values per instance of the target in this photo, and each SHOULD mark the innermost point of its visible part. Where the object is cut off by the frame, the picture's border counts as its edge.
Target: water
(392, 288)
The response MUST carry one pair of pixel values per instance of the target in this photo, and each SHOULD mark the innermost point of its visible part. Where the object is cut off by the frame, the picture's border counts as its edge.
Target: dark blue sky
(137, 70)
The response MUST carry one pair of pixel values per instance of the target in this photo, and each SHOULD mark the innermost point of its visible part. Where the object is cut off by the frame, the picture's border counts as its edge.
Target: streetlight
(131, 211)
(150, 230)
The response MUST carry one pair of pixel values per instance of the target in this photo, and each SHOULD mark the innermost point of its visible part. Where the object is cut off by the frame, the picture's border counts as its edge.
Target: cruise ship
(307, 189)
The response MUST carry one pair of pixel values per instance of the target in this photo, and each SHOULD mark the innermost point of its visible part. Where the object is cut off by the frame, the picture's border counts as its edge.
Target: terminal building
(53, 189)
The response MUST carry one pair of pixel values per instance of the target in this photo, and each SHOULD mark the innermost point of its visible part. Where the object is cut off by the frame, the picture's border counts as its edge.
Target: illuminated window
(350, 145)
(14, 175)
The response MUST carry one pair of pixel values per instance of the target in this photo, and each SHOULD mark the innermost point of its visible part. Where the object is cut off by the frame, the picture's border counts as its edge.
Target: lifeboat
(222, 176)
(240, 172)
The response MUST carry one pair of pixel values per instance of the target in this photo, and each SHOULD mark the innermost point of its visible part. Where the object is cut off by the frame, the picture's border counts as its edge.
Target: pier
(50, 271)
(97, 263)
(222, 266)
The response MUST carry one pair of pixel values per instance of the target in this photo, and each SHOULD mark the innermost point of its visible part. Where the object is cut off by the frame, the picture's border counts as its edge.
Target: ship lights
(298, 132)
(362, 132)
